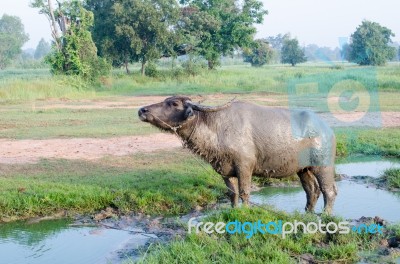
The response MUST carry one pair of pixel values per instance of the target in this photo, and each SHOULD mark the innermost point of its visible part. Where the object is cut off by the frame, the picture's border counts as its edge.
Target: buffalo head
(174, 112)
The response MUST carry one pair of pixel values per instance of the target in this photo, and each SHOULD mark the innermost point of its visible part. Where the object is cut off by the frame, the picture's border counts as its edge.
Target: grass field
(16, 85)
(35, 105)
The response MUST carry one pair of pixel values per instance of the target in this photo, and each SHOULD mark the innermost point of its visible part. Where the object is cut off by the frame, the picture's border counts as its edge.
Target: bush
(193, 67)
(151, 70)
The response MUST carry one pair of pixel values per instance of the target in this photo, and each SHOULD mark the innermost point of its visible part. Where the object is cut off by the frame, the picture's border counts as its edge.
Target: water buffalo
(241, 139)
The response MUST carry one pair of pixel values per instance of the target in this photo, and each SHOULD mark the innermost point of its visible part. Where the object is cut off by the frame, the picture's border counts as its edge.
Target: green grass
(17, 85)
(34, 85)
(226, 248)
(23, 122)
(171, 185)
(385, 142)
(392, 177)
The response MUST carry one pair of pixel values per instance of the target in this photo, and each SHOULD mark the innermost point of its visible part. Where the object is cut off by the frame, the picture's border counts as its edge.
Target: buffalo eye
(175, 104)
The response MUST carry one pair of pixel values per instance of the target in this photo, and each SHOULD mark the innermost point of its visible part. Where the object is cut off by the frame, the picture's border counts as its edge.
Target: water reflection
(353, 201)
(57, 242)
(366, 166)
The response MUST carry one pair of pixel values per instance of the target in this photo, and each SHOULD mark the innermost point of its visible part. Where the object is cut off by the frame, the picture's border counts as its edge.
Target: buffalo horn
(204, 108)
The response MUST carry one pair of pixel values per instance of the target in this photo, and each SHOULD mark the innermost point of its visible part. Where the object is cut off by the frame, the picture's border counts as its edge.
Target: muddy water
(58, 242)
(354, 199)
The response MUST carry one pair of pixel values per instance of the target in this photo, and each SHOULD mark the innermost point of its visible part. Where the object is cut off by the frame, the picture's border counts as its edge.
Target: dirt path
(31, 151)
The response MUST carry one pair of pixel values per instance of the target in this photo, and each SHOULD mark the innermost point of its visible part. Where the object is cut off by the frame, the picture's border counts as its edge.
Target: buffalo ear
(189, 112)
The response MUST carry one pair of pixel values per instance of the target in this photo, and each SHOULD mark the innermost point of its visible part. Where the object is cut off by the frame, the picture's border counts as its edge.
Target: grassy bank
(157, 183)
(392, 177)
(295, 248)
(140, 183)
(384, 142)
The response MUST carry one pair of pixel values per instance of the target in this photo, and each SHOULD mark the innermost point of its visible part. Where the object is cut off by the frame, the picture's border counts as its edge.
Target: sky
(318, 22)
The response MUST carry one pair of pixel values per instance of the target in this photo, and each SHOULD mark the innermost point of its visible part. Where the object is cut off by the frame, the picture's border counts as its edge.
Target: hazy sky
(311, 21)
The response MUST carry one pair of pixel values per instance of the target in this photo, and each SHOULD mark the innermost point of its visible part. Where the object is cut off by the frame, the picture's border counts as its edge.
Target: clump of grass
(351, 141)
(392, 177)
(267, 248)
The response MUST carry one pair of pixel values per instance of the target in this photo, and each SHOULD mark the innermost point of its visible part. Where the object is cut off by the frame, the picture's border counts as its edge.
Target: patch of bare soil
(134, 102)
(31, 151)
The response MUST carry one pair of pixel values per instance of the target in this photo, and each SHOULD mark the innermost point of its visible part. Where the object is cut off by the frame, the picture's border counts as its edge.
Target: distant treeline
(91, 36)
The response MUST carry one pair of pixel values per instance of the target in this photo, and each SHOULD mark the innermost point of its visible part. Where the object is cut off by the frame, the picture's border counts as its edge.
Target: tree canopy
(135, 30)
(291, 52)
(140, 30)
(225, 25)
(74, 52)
(12, 38)
(370, 44)
(261, 53)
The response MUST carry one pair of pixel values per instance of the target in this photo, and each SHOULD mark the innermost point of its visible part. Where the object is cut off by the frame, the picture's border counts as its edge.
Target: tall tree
(228, 25)
(46, 8)
(134, 30)
(12, 38)
(292, 53)
(370, 44)
(276, 43)
(42, 49)
(115, 47)
(260, 54)
(74, 52)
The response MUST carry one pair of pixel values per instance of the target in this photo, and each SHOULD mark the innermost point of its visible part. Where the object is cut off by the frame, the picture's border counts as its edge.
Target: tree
(42, 49)
(134, 30)
(73, 52)
(112, 46)
(226, 26)
(12, 38)
(277, 41)
(46, 8)
(260, 54)
(399, 53)
(370, 44)
(292, 53)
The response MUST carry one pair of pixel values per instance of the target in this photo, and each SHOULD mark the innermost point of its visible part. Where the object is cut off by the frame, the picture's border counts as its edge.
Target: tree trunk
(143, 68)
(127, 68)
(56, 35)
(210, 64)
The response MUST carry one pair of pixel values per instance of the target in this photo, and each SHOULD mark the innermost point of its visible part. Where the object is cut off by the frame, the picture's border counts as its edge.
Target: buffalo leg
(244, 176)
(311, 187)
(326, 180)
(233, 190)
